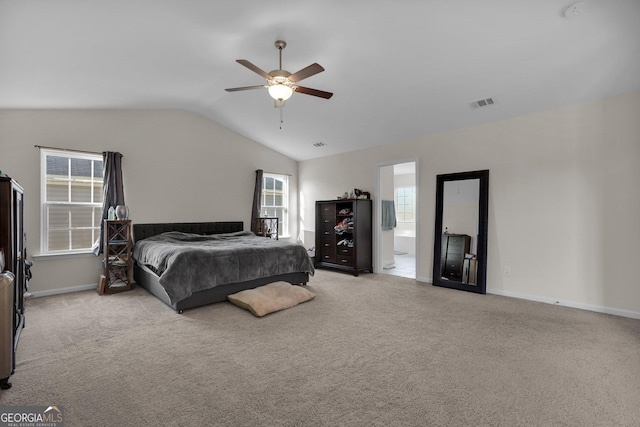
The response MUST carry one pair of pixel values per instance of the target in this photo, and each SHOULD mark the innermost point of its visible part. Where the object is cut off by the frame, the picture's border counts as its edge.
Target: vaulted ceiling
(397, 69)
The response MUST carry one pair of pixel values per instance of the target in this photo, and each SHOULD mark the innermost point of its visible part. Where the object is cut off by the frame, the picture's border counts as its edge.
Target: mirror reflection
(460, 236)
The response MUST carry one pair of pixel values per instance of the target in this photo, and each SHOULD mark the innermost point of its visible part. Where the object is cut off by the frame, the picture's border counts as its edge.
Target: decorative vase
(122, 212)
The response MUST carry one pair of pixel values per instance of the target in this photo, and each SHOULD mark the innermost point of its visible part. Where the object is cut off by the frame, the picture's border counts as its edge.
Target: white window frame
(44, 204)
(283, 224)
(398, 215)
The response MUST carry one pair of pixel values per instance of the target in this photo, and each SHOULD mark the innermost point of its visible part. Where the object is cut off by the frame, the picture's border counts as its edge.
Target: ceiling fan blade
(236, 89)
(309, 71)
(314, 92)
(254, 68)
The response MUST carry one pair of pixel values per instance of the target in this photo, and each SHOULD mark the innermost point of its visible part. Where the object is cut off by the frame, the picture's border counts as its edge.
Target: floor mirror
(460, 249)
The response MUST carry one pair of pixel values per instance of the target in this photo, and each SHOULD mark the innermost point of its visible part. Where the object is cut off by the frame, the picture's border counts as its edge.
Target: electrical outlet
(507, 270)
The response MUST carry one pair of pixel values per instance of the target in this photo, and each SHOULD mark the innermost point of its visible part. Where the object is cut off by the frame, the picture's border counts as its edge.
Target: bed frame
(146, 278)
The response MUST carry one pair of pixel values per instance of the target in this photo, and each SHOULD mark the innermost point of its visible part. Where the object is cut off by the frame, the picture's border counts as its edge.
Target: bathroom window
(406, 204)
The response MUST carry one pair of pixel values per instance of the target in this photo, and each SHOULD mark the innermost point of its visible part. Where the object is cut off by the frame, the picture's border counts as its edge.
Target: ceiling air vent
(482, 103)
(319, 144)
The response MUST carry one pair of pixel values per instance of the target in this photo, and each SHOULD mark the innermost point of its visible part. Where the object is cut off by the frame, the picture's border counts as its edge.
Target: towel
(388, 215)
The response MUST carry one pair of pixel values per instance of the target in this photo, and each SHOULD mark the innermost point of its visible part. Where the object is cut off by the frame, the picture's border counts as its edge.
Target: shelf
(118, 265)
(267, 227)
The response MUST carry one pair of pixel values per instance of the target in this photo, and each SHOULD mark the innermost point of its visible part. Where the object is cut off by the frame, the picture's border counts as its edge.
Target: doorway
(397, 213)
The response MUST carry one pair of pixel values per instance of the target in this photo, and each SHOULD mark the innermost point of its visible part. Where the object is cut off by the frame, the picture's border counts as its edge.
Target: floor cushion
(272, 297)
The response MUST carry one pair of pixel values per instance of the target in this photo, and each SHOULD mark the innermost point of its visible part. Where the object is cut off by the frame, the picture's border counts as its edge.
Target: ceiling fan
(280, 83)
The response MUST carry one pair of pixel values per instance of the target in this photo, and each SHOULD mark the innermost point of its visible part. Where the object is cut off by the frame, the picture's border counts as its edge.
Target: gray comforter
(187, 263)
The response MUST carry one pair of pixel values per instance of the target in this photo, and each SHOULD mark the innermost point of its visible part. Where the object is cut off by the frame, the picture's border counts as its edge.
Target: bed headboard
(142, 231)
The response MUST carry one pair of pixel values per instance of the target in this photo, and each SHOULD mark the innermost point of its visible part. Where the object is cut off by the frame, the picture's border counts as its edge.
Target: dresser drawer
(328, 245)
(328, 211)
(344, 251)
(327, 233)
(328, 257)
(327, 223)
(327, 226)
(344, 260)
(454, 265)
(455, 249)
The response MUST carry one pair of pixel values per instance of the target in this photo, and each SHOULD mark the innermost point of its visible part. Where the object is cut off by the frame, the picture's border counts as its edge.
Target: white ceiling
(398, 69)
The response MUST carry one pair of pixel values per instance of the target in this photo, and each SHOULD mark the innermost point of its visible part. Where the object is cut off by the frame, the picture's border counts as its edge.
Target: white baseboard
(38, 294)
(571, 304)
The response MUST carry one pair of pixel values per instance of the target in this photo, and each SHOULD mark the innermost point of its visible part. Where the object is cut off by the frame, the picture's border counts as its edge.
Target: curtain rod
(278, 173)
(67, 149)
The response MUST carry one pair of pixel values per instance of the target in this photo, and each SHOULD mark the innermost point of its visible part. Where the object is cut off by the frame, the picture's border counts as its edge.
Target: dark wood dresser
(454, 248)
(12, 242)
(343, 235)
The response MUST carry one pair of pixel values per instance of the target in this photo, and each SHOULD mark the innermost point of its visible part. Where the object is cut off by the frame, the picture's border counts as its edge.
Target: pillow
(272, 297)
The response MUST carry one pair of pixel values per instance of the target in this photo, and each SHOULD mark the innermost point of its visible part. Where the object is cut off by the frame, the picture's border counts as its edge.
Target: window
(71, 195)
(406, 202)
(275, 200)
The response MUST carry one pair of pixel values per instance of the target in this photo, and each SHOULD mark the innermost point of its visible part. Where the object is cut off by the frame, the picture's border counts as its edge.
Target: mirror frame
(483, 229)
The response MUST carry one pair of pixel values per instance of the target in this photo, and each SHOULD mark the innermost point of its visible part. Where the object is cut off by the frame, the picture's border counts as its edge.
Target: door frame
(377, 229)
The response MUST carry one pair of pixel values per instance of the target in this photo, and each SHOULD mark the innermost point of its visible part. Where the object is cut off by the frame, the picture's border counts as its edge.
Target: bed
(255, 262)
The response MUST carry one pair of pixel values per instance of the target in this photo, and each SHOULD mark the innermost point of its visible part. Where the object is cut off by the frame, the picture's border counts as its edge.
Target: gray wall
(563, 199)
(178, 166)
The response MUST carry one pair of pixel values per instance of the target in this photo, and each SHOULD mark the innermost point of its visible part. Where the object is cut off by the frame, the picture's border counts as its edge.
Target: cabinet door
(20, 252)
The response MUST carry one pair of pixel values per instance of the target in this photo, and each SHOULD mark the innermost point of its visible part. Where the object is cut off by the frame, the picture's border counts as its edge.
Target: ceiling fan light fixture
(280, 92)
(280, 83)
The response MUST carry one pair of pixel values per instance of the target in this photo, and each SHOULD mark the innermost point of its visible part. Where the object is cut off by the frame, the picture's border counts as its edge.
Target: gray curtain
(257, 201)
(113, 190)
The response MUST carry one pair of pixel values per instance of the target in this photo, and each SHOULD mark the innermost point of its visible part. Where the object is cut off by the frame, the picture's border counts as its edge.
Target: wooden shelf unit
(118, 264)
(344, 235)
(267, 227)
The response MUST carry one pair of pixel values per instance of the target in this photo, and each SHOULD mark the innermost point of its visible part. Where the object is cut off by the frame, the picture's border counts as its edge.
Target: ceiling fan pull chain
(281, 117)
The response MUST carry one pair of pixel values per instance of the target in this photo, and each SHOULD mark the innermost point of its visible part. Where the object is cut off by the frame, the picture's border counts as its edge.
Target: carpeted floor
(375, 350)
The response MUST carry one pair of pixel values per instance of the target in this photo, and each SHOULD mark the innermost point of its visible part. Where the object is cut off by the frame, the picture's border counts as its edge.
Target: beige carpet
(375, 350)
